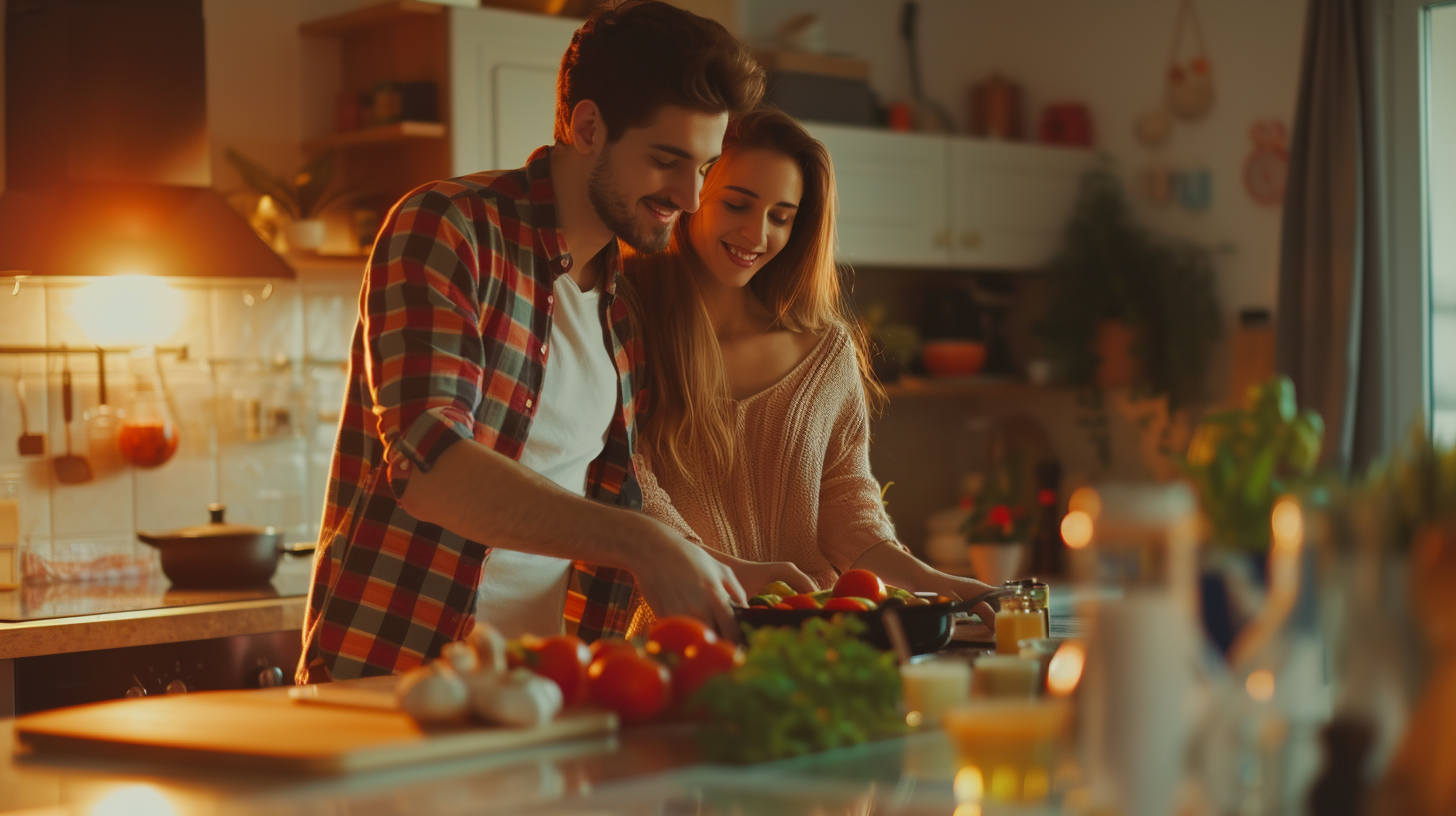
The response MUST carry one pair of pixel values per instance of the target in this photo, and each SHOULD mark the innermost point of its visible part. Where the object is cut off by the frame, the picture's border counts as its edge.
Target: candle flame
(1064, 671)
(1077, 529)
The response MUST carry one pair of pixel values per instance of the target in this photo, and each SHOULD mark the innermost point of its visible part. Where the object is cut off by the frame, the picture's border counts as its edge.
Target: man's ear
(588, 130)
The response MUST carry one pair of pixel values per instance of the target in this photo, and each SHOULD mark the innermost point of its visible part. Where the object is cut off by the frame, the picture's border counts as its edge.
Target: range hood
(107, 162)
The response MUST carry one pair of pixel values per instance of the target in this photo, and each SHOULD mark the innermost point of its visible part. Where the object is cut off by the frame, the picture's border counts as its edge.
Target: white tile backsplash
(237, 352)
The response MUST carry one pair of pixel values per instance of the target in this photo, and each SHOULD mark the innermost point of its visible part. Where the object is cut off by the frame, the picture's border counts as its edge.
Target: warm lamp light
(131, 799)
(1077, 529)
(1260, 685)
(1065, 669)
(1086, 500)
(128, 310)
(1287, 524)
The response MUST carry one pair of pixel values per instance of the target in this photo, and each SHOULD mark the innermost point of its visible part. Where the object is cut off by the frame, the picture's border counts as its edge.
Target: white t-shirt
(524, 593)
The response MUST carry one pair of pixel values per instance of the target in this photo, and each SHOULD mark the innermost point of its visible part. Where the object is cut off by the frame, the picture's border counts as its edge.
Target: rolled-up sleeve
(421, 322)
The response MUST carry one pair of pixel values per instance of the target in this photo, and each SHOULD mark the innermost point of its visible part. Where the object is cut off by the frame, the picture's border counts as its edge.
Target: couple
(516, 399)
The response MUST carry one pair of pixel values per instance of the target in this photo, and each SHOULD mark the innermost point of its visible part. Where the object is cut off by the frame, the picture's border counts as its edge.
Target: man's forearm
(477, 493)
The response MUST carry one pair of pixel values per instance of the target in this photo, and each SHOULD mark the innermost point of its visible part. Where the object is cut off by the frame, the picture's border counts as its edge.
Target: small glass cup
(933, 685)
(1008, 749)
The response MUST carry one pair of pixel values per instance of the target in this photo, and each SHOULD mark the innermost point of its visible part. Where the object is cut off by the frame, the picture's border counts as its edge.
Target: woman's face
(747, 213)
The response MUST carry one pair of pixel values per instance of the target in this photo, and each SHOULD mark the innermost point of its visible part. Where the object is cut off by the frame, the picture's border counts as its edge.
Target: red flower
(1046, 498)
(1000, 516)
(967, 503)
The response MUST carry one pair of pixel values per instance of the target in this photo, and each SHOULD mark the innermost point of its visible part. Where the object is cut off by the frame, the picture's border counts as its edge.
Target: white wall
(1110, 55)
(1441, 184)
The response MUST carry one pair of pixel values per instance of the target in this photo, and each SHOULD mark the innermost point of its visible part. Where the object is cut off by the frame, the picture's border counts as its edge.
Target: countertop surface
(59, 618)
(647, 770)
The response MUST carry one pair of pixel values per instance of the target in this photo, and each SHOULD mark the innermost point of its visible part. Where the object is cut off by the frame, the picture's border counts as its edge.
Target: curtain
(1330, 278)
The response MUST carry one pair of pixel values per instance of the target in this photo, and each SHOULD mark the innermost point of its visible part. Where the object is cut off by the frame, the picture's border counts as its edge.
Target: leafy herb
(1243, 460)
(305, 196)
(800, 691)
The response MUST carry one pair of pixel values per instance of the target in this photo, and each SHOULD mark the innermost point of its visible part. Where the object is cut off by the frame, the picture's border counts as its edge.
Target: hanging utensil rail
(180, 351)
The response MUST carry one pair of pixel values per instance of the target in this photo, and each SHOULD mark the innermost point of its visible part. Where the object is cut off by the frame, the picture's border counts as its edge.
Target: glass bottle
(148, 435)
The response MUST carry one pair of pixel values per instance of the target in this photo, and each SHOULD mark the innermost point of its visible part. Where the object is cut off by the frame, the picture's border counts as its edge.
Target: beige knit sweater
(800, 487)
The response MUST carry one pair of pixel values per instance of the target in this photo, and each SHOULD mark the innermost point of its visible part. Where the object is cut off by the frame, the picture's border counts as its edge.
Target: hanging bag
(1190, 84)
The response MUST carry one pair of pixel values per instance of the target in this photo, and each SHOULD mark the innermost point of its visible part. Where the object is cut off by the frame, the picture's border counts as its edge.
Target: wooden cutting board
(266, 731)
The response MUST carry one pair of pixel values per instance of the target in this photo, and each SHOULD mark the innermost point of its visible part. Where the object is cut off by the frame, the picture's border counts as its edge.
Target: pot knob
(215, 512)
(271, 677)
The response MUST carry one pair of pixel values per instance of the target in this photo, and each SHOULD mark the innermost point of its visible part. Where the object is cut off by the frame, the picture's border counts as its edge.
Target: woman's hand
(963, 588)
(755, 575)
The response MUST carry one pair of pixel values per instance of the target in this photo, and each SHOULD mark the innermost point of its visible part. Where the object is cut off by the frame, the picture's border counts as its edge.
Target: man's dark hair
(633, 57)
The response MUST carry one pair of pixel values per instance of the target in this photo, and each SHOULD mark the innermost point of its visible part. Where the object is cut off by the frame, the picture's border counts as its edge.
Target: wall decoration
(1154, 127)
(1190, 92)
(1267, 167)
(1195, 189)
(1156, 184)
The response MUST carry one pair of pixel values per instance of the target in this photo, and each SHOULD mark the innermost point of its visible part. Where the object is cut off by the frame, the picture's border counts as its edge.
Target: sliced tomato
(699, 664)
(860, 583)
(802, 601)
(637, 688)
(563, 659)
(673, 636)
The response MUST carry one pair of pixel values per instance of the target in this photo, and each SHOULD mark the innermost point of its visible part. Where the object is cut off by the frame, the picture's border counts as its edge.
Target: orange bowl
(953, 358)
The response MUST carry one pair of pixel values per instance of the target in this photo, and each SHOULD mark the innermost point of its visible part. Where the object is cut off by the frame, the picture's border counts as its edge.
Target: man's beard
(616, 212)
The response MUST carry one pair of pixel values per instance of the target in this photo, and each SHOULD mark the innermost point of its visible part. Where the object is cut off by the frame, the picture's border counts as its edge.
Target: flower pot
(1116, 367)
(997, 563)
(305, 235)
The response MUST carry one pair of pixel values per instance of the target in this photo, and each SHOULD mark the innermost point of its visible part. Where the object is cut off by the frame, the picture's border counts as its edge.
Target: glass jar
(1018, 619)
(148, 435)
(1035, 595)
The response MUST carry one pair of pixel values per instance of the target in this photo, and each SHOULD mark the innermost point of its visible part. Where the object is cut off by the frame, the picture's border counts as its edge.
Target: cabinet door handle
(971, 240)
(942, 239)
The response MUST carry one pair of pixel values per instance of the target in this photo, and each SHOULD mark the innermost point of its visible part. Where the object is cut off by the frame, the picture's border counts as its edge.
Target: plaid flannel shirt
(451, 344)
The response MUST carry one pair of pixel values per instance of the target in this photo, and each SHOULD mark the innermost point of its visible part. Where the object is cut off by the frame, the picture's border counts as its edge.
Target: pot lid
(217, 527)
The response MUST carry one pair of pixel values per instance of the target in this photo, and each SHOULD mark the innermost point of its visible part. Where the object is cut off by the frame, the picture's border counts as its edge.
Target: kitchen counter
(62, 618)
(652, 769)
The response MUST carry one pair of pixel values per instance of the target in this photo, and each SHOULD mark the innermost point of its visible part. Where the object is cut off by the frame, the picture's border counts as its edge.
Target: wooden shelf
(380, 134)
(911, 387)
(370, 17)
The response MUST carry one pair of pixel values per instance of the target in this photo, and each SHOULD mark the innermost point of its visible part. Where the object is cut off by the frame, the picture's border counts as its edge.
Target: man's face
(642, 181)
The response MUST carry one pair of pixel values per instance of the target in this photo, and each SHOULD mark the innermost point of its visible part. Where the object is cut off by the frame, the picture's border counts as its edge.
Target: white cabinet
(503, 68)
(892, 196)
(916, 200)
(1009, 203)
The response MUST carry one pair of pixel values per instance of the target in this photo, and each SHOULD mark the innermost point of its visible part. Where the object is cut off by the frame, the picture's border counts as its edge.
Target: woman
(755, 438)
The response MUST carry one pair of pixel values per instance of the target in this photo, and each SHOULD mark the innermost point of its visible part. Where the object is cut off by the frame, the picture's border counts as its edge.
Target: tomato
(859, 583)
(846, 605)
(563, 659)
(674, 635)
(804, 601)
(699, 664)
(782, 605)
(637, 688)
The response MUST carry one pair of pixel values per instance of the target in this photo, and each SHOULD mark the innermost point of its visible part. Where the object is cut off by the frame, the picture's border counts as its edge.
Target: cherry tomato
(803, 601)
(846, 605)
(637, 688)
(699, 664)
(604, 647)
(674, 635)
(782, 605)
(563, 659)
(859, 583)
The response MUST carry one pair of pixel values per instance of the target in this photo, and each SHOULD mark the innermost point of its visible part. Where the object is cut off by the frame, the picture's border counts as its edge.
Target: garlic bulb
(521, 698)
(433, 693)
(461, 656)
(490, 645)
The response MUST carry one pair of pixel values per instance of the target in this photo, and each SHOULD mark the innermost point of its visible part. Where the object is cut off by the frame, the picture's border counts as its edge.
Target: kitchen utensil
(928, 115)
(103, 423)
(29, 444)
(218, 554)
(953, 358)
(927, 628)
(71, 468)
(263, 730)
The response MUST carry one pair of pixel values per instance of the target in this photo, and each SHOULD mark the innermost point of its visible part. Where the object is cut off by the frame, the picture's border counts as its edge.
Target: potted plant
(1127, 308)
(998, 526)
(303, 197)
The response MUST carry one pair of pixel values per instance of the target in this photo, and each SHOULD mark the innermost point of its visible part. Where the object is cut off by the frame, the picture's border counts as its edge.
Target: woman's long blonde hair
(687, 405)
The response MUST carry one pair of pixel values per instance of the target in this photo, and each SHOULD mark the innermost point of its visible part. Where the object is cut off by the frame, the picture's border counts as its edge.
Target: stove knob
(136, 691)
(271, 677)
(176, 687)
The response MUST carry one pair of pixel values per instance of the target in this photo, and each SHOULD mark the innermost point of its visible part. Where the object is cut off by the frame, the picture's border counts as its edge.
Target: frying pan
(928, 628)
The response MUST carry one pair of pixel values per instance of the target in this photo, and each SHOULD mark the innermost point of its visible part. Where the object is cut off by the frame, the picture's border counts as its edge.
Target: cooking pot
(928, 628)
(220, 555)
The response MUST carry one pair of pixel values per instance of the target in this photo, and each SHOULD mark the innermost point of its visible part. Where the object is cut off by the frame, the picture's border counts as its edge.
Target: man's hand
(755, 575)
(681, 578)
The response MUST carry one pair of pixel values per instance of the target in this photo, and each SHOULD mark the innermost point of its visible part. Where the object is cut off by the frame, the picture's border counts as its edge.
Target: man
(490, 396)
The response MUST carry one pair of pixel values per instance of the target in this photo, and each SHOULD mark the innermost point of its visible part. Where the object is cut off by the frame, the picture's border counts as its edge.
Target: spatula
(29, 444)
(70, 469)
